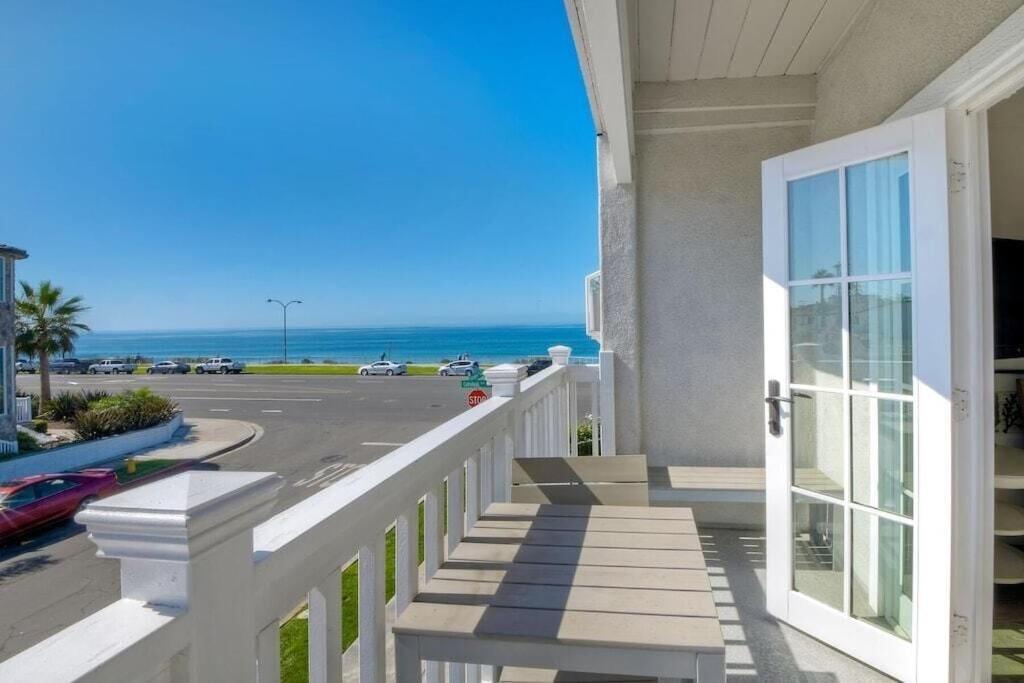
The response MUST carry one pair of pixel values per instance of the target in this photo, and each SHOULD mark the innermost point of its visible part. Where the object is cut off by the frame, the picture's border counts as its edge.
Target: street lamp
(284, 309)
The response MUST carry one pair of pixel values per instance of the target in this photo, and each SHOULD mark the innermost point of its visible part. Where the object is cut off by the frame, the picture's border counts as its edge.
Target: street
(315, 430)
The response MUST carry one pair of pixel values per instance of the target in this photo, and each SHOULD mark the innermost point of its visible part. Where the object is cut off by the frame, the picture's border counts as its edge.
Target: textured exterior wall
(699, 225)
(620, 329)
(7, 427)
(893, 51)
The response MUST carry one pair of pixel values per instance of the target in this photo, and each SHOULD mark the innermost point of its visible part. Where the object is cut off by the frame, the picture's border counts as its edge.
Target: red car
(31, 502)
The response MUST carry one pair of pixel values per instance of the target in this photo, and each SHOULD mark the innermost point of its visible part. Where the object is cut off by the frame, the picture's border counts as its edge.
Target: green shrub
(585, 438)
(26, 444)
(122, 413)
(67, 404)
(307, 361)
(39, 425)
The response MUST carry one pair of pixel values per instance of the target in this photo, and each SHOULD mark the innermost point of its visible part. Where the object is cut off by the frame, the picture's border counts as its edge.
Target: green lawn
(294, 632)
(142, 469)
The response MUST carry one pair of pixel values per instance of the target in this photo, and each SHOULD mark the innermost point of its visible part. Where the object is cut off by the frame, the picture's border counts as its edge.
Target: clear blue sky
(177, 163)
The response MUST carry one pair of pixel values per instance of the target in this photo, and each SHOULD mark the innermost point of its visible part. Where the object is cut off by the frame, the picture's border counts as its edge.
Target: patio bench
(620, 591)
(599, 480)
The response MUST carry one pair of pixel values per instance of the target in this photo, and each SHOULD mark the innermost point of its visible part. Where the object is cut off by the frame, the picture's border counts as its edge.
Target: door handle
(774, 399)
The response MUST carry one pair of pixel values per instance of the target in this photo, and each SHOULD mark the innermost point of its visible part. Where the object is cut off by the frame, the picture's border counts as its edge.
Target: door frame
(990, 72)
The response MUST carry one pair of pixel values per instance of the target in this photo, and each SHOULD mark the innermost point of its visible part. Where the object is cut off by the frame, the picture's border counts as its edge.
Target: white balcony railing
(205, 585)
(22, 408)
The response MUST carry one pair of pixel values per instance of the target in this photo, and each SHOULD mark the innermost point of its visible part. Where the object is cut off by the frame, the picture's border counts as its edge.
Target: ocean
(343, 345)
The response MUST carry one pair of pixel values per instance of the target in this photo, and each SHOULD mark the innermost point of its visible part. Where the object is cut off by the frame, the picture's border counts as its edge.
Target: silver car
(459, 367)
(384, 367)
(168, 367)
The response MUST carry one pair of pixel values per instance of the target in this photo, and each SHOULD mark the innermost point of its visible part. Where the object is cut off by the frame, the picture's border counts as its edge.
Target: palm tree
(46, 324)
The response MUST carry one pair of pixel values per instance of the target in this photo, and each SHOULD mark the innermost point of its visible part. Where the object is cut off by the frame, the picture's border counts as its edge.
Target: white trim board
(726, 126)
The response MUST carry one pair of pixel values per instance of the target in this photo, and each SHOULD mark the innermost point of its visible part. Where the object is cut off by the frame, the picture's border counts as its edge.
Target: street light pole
(284, 309)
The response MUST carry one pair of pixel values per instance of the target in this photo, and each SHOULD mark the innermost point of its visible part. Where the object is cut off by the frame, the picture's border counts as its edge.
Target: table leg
(407, 660)
(710, 668)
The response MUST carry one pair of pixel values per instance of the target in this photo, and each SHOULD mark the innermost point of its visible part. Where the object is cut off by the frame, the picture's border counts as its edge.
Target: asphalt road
(316, 430)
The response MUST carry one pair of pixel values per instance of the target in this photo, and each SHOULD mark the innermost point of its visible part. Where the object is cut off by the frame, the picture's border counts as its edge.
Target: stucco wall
(893, 51)
(1006, 160)
(699, 224)
(620, 331)
(7, 430)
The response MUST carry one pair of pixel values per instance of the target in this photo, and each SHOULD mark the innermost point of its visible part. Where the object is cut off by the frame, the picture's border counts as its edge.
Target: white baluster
(324, 628)
(487, 473)
(433, 552)
(473, 489)
(372, 559)
(456, 530)
(406, 558)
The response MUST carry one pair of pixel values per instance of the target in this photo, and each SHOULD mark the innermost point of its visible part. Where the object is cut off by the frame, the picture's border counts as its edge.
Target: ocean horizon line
(272, 328)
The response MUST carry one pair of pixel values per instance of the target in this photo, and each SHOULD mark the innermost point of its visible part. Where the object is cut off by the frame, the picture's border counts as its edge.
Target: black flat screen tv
(1008, 297)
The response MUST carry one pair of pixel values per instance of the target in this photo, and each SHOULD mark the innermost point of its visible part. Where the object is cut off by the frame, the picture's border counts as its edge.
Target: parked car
(538, 365)
(111, 366)
(223, 366)
(66, 366)
(24, 365)
(459, 367)
(32, 502)
(384, 367)
(169, 367)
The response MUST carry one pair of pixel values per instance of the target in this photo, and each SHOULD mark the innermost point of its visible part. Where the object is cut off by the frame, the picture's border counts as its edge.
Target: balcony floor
(758, 648)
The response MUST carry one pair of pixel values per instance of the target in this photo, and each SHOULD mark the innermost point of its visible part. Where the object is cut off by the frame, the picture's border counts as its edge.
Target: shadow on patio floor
(759, 648)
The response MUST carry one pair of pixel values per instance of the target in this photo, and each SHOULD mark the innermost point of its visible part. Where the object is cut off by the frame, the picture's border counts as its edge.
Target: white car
(459, 367)
(384, 367)
(111, 367)
(24, 365)
(220, 365)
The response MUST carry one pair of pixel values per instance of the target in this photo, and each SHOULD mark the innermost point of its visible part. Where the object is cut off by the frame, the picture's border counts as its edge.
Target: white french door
(857, 385)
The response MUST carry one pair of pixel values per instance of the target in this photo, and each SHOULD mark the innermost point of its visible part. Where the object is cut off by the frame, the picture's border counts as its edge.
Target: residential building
(810, 221)
(8, 433)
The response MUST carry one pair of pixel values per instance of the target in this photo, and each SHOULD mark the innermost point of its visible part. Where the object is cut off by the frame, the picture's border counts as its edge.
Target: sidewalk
(201, 439)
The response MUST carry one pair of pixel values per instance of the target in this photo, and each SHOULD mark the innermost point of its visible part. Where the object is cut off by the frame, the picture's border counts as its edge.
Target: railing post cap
(560, 354)
(505, 378)
(177, 518)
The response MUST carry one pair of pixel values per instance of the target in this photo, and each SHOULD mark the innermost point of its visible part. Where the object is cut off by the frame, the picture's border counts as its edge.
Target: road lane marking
(241, 398)
(382, 443)
(326, 476)
(271, 411)
(220, 410)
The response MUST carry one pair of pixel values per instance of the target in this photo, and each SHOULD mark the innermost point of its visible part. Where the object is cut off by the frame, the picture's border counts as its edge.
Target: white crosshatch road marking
(326, 476)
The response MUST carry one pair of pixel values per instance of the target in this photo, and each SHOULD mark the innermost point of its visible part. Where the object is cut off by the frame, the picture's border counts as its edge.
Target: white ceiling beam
(605, 29)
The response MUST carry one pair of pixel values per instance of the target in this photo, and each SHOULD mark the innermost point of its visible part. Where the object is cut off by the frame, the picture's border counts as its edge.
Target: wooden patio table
(589, 589)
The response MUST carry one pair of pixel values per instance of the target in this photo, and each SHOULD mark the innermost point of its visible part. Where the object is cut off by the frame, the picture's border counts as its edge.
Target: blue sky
(386, 162)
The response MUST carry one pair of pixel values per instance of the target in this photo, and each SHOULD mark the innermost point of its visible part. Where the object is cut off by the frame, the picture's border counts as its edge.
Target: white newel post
(607, 402)
(186, 542)
(504, 380)
(564, 422)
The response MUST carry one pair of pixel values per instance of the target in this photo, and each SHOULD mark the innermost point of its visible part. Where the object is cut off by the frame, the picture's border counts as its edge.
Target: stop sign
(476, 397)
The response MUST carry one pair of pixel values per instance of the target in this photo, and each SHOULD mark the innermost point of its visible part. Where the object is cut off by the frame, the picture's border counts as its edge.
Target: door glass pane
(883, 573)
(817, 428)
(814, 227)
(816, 335)
(882, 438)
(878, 216)
(881, 336)
(818, 550)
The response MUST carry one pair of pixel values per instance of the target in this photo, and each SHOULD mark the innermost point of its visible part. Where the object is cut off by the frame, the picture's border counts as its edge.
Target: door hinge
(959, 630)
(961, 404)
(957, 176)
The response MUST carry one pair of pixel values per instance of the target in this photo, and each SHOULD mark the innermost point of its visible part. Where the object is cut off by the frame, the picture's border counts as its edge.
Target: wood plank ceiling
(681, 40)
